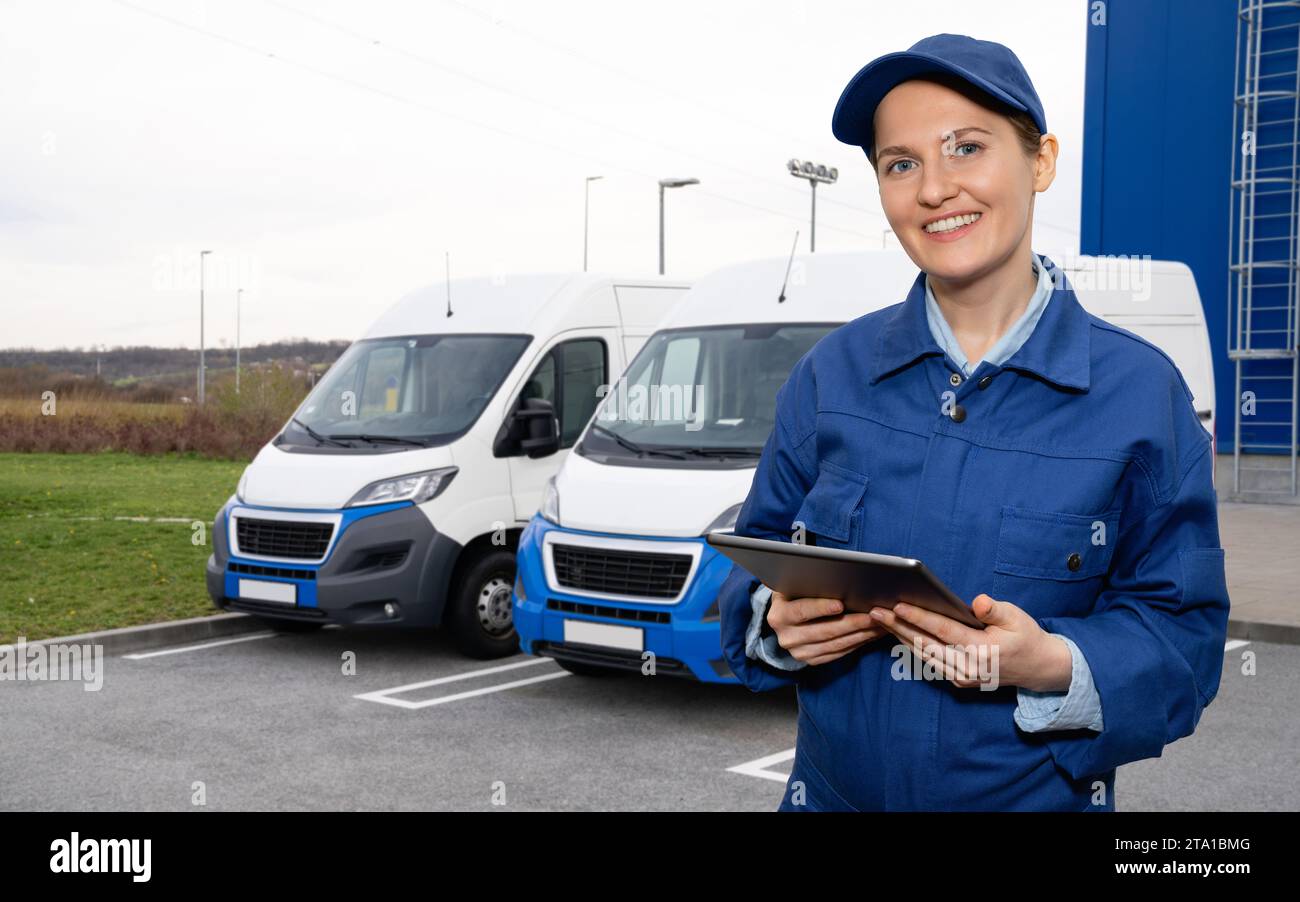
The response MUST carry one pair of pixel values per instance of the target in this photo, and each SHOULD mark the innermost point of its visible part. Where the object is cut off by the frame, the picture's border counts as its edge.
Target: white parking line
(383, 696)
(176, 651)
(410, 706)
(759, 767)
(1233, 644)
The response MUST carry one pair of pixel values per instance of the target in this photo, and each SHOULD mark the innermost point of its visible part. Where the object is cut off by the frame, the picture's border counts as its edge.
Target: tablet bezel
(942, 600)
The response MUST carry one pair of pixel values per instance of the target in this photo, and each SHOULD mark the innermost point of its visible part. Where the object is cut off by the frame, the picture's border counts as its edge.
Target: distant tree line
(83, 418)
(149, 374)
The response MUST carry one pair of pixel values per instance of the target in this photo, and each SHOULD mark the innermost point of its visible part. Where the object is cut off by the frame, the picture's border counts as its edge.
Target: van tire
(480, 612)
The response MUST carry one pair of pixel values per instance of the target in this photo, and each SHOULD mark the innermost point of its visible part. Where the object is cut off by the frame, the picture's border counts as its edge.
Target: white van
(396, 493)
(615, 564)
(1158, 300)
(628, 571)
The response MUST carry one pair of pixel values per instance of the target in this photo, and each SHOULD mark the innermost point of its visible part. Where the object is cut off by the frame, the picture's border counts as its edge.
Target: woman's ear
(1045, 161)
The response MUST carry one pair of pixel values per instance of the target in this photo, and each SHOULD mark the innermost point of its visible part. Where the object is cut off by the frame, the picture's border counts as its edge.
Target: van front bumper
(685, 637)
(387, 566)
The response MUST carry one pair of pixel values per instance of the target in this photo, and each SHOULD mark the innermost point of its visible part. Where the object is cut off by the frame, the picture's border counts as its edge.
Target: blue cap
(987, 65)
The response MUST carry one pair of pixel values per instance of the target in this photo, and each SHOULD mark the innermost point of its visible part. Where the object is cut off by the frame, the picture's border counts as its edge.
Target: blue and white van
(614, 568)
(614, 565)
(397, 492)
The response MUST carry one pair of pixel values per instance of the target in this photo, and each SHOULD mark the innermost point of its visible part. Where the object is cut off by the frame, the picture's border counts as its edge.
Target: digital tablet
(861, 579)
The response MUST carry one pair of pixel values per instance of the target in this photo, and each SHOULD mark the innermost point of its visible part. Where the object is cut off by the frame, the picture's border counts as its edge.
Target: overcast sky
(330, 153)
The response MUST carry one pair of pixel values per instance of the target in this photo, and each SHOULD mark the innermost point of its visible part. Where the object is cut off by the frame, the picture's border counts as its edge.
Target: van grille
(638, 573)
(257, 570)
(601, 610)
(283, 538)
(610, 657)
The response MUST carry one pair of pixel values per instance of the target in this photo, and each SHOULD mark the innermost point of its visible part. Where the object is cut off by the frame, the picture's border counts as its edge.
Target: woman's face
(938, 155)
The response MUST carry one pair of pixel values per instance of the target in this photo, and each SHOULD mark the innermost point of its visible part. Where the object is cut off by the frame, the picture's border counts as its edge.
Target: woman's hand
(1027, 655)
(816, 631)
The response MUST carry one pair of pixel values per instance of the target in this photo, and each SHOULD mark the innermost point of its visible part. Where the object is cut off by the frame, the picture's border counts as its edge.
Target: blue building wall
(1158, 145)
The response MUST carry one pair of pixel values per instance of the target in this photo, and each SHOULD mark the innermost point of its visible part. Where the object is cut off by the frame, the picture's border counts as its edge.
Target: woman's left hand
(1026, 655)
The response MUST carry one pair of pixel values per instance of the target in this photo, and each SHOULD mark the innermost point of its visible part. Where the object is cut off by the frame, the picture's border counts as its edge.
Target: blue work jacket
(1073, 480)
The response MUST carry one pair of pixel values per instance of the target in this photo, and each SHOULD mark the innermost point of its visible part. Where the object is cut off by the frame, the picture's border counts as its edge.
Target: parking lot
(270, 721)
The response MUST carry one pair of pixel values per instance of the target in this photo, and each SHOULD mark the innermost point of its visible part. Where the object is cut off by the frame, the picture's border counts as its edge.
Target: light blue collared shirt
(1010, 341)
(1067, 709)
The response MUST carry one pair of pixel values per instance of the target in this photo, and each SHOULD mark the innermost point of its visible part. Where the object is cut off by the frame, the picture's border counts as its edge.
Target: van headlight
(417, 487)
(550, 508)
(725, 520)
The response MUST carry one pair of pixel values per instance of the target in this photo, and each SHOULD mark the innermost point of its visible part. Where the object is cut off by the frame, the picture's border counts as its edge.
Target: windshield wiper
(384, 439)
(638, 450)
(723, 452)
(322, 439)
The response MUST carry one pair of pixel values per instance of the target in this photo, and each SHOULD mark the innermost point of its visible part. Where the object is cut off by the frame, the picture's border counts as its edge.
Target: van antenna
(448, 253)
(781, 299)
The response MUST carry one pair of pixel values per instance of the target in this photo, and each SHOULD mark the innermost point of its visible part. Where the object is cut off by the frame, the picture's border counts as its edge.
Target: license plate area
(628, 638)
(263, 590)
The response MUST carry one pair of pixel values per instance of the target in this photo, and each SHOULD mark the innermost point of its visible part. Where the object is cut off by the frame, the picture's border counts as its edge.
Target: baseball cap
(989, 66)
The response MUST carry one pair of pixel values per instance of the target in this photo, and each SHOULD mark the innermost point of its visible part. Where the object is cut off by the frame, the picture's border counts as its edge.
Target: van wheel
(480, 614)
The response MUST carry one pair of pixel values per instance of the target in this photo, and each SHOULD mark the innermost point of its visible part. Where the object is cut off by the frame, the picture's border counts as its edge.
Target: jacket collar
(1058, 349)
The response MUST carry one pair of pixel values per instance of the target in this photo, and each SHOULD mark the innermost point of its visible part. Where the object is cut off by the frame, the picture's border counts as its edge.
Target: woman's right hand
(816, 630)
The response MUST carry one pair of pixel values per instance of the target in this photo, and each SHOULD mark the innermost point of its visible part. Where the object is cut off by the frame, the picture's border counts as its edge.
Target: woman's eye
(957, 152)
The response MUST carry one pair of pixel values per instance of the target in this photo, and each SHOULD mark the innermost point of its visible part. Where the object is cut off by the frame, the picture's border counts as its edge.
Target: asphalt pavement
(375, 720)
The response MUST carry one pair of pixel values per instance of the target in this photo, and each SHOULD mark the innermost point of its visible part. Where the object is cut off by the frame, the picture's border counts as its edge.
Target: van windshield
(700, 394)
(404, 391)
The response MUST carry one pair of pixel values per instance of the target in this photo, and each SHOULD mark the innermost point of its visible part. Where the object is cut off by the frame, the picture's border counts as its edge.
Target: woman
(1040, 461)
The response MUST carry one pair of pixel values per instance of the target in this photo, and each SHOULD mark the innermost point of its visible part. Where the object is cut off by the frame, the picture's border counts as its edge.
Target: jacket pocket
(1204, 578)
(1051, 545)
(833, 507)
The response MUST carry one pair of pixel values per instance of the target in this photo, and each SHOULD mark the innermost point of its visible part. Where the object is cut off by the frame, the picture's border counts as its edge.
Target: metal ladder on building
(1264, 209)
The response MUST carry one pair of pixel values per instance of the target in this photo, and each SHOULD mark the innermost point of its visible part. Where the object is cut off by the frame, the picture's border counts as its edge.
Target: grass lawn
(68, 566)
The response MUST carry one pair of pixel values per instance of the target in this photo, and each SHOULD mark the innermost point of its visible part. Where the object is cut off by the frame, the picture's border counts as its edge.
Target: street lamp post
(814, 173)
(668, 183)
(239, 297)
(586, 194)
(202, 344)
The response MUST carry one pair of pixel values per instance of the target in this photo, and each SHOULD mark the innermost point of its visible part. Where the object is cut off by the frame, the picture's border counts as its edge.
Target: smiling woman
(1019, 447)
(959, 185)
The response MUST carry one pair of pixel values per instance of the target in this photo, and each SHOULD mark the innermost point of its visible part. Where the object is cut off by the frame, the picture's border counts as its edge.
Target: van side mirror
(532, 429)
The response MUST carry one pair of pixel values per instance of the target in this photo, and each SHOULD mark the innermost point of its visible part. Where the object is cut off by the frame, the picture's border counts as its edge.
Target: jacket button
(984, 383)
(955, 378)
(958, 413)
(1074, 562)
